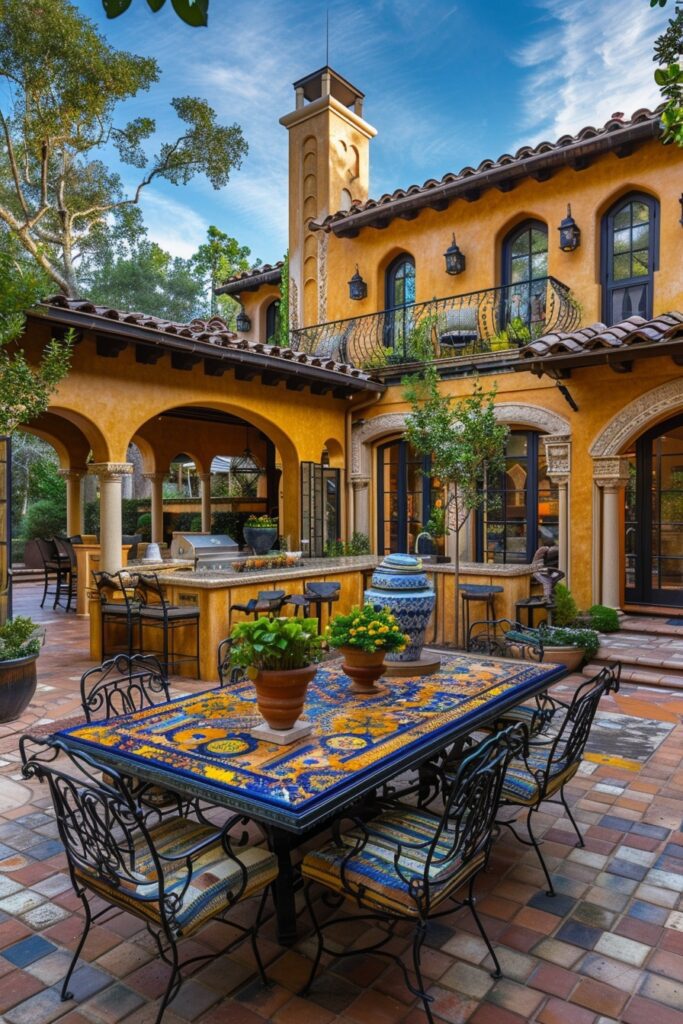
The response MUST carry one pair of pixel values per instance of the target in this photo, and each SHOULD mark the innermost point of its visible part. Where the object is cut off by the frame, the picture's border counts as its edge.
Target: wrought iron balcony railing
(475, 323)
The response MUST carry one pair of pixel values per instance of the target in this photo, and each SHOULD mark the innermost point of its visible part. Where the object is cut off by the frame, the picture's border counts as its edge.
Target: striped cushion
(529, 714)
(215, 877)
(371, 875)
(521, 787)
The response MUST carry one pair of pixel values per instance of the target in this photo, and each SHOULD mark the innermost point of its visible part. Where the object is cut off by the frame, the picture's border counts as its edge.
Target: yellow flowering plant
(369, 628)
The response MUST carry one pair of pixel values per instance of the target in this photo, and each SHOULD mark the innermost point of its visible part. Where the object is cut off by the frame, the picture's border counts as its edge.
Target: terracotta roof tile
(212, 332)
(633, 331)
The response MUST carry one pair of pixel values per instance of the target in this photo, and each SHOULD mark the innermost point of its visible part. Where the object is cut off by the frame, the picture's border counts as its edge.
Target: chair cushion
(153, 611)
(214, 876)
(371, 874)
(120, 608)
(529, 714)
(521, 787)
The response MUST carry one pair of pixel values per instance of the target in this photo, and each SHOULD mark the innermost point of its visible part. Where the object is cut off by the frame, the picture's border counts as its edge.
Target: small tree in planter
(466, 445)
(20, 643)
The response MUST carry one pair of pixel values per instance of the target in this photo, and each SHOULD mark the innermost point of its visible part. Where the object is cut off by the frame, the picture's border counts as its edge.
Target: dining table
(202, 746)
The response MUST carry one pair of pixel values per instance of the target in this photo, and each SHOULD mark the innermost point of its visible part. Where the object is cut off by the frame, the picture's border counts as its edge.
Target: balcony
(474, 324)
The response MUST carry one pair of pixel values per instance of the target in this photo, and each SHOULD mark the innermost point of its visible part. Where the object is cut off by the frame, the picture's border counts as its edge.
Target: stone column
(558, 452)
(156, 481)
(74, 500)
(110, 475)
(611, 476)
(205, 479)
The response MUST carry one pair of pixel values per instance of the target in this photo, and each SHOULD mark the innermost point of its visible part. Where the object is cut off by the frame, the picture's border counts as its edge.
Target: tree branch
(14, 167)
(21, 231)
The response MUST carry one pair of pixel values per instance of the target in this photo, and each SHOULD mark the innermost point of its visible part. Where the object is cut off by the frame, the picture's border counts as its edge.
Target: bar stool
(117, 605)
(268, 602)
(155, 611)
(67, 557)
(482, 592)
(317, 594)
(548, 577)
(55, 569)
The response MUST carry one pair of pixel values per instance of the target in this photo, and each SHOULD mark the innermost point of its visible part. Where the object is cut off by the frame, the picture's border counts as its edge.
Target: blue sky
(446, 83)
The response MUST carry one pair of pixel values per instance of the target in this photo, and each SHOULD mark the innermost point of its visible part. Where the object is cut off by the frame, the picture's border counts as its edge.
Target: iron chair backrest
(504, 638)
(325, 591)
(116, 586)
(122, 685)
(47, 549)
(271, 595)
(568, 745)
(149, 591)
(463, 831)
(65, 550)
(228, 673)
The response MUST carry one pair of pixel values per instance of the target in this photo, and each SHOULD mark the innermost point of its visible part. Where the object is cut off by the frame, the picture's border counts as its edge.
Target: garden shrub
(604, 619)
(45, 518)
(566, 610)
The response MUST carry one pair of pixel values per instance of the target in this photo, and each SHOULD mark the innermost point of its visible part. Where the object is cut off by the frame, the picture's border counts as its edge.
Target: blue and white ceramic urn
(401, 585)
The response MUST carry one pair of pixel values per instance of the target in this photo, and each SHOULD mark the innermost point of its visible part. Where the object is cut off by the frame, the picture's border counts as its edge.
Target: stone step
(641, 673)
(652, 625)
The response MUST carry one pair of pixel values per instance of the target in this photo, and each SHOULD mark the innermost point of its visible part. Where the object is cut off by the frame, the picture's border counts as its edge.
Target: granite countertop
(214, 580)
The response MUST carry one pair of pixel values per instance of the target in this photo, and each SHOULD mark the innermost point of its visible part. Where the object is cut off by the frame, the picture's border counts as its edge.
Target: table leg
(283, 887)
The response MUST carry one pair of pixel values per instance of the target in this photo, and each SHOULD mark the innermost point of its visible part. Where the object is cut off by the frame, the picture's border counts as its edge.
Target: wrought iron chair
(156, 612)
(408, 862)
(268, 602)
(547, 768)
(55, 570)
(67, 557)
(118, 607)
(173, 872)
(226, 672)
(122, 685)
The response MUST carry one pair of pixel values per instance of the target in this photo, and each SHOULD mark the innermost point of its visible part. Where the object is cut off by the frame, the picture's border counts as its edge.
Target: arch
(533, 416)
(97, 442)
(272, 319)
(629, 255)
(643, 412)
(68, 441)
(335, 450)
(520, 250)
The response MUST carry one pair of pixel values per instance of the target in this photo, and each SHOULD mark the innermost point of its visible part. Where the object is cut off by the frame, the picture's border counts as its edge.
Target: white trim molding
(635, 417)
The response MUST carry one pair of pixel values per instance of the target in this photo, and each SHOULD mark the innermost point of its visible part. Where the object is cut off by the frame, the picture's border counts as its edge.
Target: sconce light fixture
(570, 232)
(455, 258)
(243, 323)
(681, 202)
(358, 289)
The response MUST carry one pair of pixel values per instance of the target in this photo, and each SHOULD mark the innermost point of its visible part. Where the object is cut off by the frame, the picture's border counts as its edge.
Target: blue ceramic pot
(260, 538)
(400, 584)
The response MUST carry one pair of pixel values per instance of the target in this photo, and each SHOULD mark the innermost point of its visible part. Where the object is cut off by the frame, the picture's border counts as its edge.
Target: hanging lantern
(358, 289)
(455, 258)
(570, 232)
(243, 323)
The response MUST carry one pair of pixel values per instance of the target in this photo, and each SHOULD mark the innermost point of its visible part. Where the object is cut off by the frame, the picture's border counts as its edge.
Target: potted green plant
(568, 645)
(20, 643)
(260, 533)
(364, 636)
(279, 655)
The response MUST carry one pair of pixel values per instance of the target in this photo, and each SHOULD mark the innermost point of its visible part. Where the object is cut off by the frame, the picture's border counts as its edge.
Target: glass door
(320, 521)
(5, 530)
(654, 518)
(404, 497)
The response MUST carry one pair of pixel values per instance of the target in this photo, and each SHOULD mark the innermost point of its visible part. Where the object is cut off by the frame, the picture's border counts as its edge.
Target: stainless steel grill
(209, 550)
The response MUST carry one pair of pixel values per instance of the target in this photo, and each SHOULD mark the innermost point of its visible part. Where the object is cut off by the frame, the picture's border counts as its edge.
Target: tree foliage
(464, 440)
(25, 390)
(63, 82)
(668, 53)
(192, 12)
(217, 259)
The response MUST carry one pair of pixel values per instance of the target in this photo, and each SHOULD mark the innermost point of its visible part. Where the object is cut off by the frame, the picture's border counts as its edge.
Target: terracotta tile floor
(608, 947)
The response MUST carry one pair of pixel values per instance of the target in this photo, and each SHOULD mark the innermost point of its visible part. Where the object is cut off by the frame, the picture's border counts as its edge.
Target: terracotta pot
(364, 668)
(280, 695)
(569, 656)
(17, 686)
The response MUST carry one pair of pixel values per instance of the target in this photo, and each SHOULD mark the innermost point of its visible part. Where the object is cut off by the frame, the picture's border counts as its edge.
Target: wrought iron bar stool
(55, 569)
(156, 612)
(67, 557)
(473, 592)
(268, 602)
(316, 594)
(548, 578)
(118, 606)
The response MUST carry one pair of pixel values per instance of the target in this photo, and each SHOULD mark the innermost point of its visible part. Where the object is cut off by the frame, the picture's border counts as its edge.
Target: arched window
(630, 251)
(273, 320)
(520, 513)
(404, 496)
(399, 297)
(525, 269)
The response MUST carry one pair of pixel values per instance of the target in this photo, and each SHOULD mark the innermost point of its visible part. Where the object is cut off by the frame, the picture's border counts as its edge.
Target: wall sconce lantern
(358, 289)
(570, 232)
(681, 202)
(455, 258)
(243, 323)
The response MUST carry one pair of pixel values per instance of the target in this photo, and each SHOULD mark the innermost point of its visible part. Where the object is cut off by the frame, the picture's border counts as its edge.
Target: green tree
(216, 259)
(466, 445)
(62, 83)
(25, 390)
(282, 334)
(192, 12)
(668, 52)
(148, 279)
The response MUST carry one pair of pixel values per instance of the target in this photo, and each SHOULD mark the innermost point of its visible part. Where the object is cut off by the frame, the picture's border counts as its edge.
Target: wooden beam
(439, 205)
(270, 379)
(215, 367)
(184, 360)
(109, 347)
(545, 174)
(318, 388)
(245, 373)
(408, 214)
(148, 355)
(472, 195)
(295, 384)
(621, 367)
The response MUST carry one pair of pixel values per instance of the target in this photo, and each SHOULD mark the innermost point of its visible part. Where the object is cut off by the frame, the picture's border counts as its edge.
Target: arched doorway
(654, 516)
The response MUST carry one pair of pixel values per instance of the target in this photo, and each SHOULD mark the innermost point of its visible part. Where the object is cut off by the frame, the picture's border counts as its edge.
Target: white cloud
(587, 61)
(173, 225)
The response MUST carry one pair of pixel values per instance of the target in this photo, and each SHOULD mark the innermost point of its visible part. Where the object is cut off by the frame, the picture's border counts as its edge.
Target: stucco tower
(329, 154)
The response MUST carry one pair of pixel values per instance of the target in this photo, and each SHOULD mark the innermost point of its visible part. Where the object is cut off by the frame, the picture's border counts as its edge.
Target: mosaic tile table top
(202, 744)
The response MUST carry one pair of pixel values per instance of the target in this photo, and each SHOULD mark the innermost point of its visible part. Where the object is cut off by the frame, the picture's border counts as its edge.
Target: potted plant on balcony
(20, 643)
(364, 636)
(260, 533)
(279, 655)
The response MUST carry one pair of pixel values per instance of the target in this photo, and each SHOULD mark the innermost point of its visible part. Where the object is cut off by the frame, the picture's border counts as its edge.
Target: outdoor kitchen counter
(215, 591)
